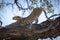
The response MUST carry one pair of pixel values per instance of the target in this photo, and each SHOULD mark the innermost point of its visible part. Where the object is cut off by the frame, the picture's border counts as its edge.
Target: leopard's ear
(15, 17)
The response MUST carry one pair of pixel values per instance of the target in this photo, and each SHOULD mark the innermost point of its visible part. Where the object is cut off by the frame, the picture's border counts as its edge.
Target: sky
(7, 13)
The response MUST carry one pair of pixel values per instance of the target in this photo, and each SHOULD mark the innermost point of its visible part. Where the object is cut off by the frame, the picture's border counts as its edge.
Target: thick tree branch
(46, 29)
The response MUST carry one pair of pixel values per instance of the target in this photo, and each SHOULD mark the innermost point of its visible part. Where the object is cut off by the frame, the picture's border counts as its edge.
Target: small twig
(17, 4)
(54, 15)
(20, 5)
(23, 12)
(27, 3)
(0, 22)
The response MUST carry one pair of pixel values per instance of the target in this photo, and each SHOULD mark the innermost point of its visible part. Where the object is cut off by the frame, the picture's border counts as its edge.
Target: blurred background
(23, 8)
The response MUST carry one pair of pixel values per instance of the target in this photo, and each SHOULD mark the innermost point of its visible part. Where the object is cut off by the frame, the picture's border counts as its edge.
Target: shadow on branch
(46, 29)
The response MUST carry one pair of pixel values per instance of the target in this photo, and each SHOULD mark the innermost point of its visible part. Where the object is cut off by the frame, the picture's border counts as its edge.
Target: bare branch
(20, 7)
(0, 22)
(23, 12)
(54, 15)
(27, 3)
(17, 4)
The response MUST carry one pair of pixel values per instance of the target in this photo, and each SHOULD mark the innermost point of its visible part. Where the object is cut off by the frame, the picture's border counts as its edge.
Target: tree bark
(46, 29)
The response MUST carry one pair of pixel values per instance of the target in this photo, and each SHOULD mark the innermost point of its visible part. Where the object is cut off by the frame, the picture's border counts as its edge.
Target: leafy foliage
(31, 4)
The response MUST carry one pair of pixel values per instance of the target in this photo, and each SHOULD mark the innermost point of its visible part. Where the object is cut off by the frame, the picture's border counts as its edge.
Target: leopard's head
(17, 18)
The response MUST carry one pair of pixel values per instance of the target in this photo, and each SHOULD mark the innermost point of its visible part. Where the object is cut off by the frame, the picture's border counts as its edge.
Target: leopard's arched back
(33, 16)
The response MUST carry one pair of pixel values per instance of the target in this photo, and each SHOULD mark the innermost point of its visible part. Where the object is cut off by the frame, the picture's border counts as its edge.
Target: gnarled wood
(47, 29)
